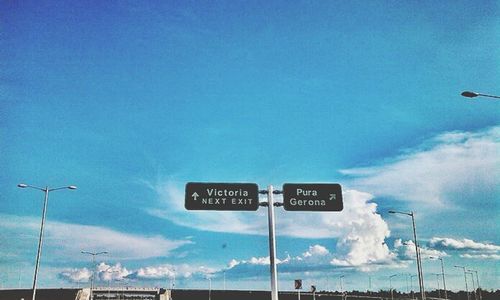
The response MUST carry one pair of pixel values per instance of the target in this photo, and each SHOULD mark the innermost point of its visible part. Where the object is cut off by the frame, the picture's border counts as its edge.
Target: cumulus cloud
(66, 239)
(172, 271)
(475, 250)
(481, 256)
(405, 250)
(463, 244)
(76, 275)
(117, 272)
(469, 160)
(316, 250)
(316, 258)
(359, 229)
(102, 272)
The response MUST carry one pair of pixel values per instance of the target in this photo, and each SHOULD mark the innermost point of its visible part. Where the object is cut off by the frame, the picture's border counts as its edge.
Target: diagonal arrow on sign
(333, 196)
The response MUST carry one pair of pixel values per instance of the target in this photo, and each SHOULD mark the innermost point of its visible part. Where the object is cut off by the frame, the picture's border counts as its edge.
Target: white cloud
(481, 256)
(316, 250)
(66, 239)
(405, 250)
(316, 258)
(76, 275)
(463, 244)
(475, 250)
(172, 271)
(449, 170)
(106, 272)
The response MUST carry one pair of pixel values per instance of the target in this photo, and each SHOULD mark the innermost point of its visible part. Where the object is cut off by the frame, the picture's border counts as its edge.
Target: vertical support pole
(272, 244)
(299, 294)
(40, 240)
(444, 280)
(419, 261)
(478, 287)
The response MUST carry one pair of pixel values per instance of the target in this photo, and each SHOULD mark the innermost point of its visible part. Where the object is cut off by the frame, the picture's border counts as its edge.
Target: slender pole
(390, 283)
(473, 285)
(444, 281)
(419, 262)
(437, 281)
(272, 244)
(92, 278)
(40, 240)
(478, 286)
(465, 277)
(209, 288)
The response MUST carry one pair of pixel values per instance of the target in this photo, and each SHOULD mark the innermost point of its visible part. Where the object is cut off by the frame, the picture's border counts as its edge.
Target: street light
(411, 284)
(470, 94)
(442, 272)
(417, 251)
(94, 254)
(390, 284)
(465, 277)
(209, 287)
(478, 286)
(437, 282)
(473, 284)
(46, 190)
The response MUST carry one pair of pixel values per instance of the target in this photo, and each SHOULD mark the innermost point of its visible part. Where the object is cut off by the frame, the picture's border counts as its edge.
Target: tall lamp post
(470, 94)
(442, 273)
(465, 277)
(341, 278)
(437, 282)
(417, 251)
(473, 284)
(46, 190)
(411, 284)
(94, 254)
(477, 280)
(390, 284)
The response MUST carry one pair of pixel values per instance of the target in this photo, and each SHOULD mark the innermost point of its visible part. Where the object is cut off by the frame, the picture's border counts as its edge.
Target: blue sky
(129, 101)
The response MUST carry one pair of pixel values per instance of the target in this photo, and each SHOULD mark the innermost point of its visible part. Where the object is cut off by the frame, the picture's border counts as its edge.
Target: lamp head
(469, 94)
(22, 185)
(72, 187)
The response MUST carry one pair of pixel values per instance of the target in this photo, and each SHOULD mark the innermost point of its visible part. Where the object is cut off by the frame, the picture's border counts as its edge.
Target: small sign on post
(221, 196)
(312, 197)
(298, 284)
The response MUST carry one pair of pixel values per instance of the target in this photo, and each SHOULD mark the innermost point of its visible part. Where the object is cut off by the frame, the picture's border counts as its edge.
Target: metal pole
(444, 281)
(437, 281)
(419, 266)
(272, 244)
(473, 285)
(92, 278)
(299, 294)
(390, 283)
(209, 288)
(40, 240)
(465, 277)
(478, 287)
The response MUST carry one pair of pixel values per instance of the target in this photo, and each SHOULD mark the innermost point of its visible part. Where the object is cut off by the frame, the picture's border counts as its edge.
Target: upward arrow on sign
(195, 196)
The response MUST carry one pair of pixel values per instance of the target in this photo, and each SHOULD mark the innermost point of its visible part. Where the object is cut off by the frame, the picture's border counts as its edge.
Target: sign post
(272, 244)
(298, 286)
(245, 197)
